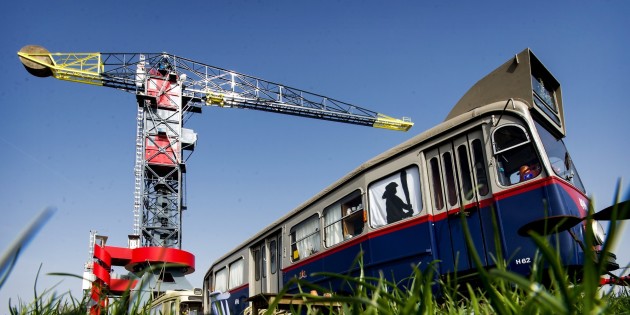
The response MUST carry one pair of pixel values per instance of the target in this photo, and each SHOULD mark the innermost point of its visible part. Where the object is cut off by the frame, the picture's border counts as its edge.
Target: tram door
(266, 256)
(458, 181)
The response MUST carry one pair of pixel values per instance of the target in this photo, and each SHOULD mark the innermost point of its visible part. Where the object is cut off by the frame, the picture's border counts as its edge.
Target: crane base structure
(151, 272)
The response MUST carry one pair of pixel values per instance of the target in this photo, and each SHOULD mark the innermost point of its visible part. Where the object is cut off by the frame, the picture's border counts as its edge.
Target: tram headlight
(598, 233)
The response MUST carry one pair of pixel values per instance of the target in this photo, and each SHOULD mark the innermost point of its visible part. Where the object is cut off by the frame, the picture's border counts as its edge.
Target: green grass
(548, 290)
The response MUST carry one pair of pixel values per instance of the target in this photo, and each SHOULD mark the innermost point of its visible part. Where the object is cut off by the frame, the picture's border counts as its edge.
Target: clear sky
(72, 145)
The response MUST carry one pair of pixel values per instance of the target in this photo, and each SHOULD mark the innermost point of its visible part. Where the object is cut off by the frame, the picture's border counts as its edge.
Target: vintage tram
(499, 153)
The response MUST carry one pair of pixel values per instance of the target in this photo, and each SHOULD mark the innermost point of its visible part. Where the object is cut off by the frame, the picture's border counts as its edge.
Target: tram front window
(559, 158)
(516, 157)
(191, 308)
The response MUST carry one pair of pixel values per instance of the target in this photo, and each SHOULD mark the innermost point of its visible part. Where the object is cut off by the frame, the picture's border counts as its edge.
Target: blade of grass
(10, 257)
(535, 290)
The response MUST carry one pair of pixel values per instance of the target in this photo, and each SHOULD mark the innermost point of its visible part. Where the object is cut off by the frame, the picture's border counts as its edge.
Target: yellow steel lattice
(75, 67)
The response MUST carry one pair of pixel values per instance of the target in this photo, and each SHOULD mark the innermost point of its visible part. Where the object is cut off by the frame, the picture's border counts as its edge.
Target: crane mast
(168, 90)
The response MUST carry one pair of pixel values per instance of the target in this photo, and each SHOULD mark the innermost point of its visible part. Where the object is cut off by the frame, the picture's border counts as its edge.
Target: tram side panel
(392, 248)
(399, 235)
(399, 220)
(572, 202)
(456, 167)
(341, 238)
(339, 262)
(521, 197)
(231, 274)
(529, 202)
(442, 232)
(396, 251)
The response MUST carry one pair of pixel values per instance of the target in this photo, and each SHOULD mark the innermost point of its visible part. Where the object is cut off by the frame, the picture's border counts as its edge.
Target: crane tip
(36, 60)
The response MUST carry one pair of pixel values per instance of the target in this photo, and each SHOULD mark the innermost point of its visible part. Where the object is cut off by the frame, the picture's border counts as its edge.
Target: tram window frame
(273, 256)
(236, 267)
(257, 262)
(523, 153)
(438, 193)
(559, 157)
(263, 265)
(479, 164)
(449, 174)
(377, 188)
(218, 275)
(344, 219)
(207, 285)
(191, 308)
(296, 254)
(546, 95)
(464, 166)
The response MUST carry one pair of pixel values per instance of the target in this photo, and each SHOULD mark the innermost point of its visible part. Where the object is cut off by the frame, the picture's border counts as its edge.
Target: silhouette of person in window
(394, 205)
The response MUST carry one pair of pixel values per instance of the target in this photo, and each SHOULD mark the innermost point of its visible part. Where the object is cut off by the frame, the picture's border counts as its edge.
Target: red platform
(135, 259)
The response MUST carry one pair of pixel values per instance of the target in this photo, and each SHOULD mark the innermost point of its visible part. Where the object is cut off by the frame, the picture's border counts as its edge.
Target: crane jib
(200, 84)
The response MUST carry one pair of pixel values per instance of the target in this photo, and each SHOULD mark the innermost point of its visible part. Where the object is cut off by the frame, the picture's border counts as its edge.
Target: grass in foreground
(498, 291)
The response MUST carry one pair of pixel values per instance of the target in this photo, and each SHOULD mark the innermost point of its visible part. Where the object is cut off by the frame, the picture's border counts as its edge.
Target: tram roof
(515, 79)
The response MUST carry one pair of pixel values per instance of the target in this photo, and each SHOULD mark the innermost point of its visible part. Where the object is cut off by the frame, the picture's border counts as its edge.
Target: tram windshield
(190, 308)
(559, 158)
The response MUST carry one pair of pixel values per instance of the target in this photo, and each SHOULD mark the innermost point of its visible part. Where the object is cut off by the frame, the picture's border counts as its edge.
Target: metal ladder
(138, 170)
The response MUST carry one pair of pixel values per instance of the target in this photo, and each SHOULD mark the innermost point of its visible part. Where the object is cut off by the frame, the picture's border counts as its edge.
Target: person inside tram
(395, 205)
(526, 172)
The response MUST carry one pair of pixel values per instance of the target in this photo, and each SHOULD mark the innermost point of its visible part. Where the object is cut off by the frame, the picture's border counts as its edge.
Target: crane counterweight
(37, 67)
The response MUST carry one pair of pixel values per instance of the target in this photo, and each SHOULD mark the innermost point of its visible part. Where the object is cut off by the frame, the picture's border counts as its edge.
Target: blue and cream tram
(499, 151)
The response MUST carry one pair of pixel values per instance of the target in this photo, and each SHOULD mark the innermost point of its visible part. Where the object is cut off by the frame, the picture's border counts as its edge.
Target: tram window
(305, 238)
(236, 274)
(450, 179)
(395, 197)
(516, 157)
(464, 167)
(257, 263)
(190, 308)
(273, 259)
(221, 280)
(263, 266)
(343, 219)
(480, 168)
(332, 225)
(544, 93)
(438, 195)
(559, 157)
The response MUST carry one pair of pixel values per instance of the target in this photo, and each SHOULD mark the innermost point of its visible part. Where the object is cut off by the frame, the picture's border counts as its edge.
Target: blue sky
(72, 146)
